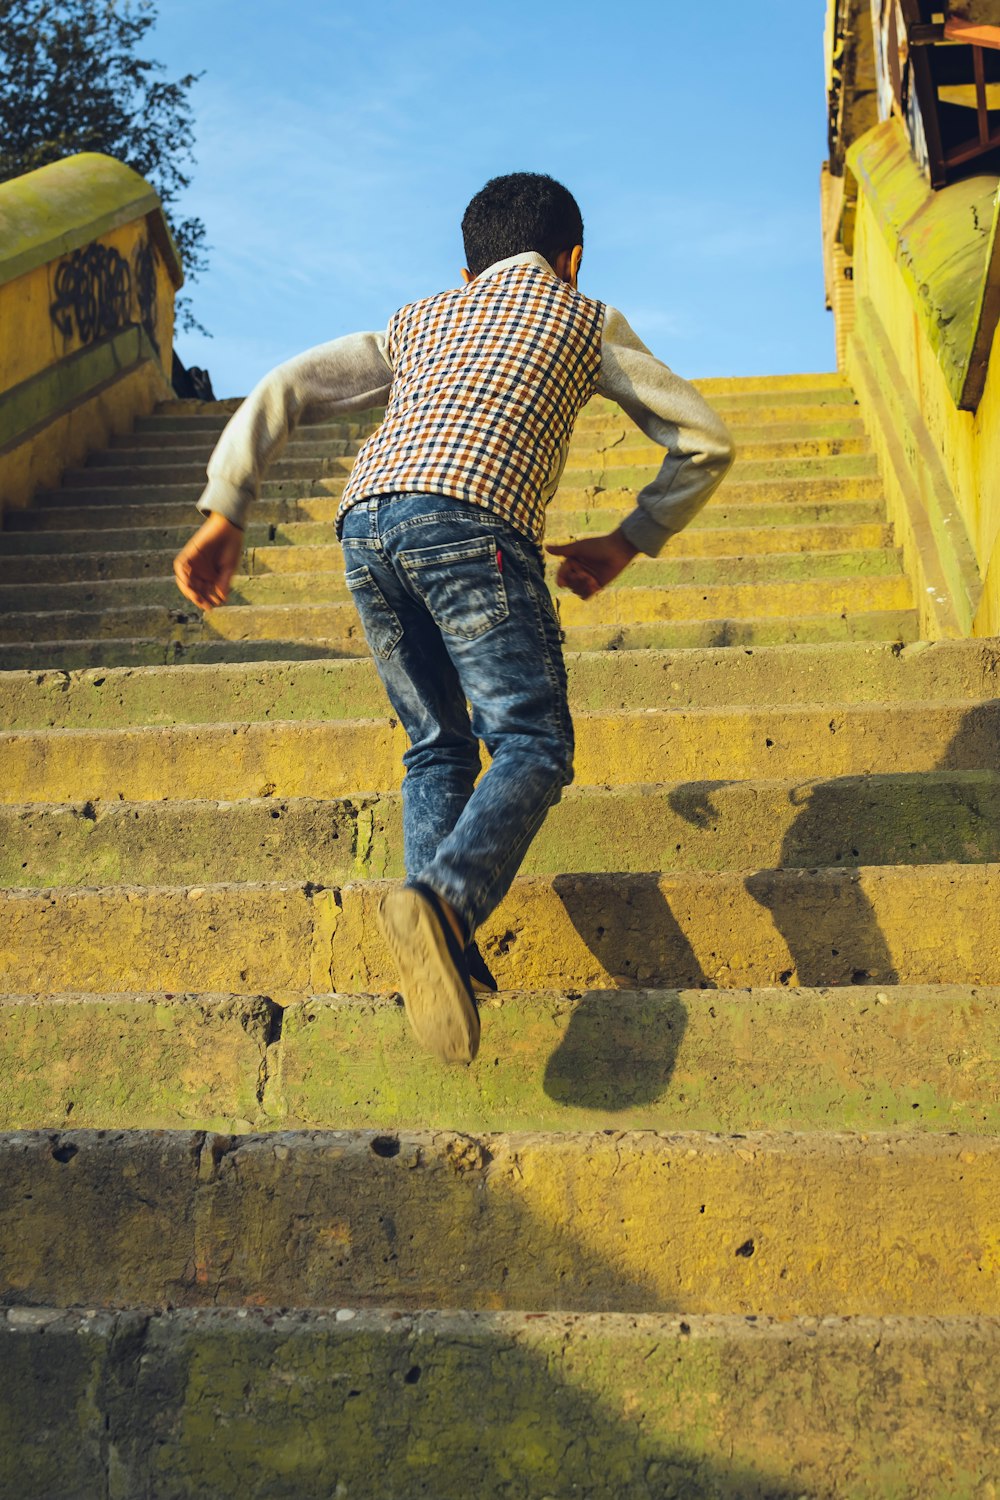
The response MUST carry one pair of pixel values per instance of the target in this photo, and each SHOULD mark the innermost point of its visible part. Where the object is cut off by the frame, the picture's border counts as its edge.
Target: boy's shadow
(620, 1047)
(619, 1050)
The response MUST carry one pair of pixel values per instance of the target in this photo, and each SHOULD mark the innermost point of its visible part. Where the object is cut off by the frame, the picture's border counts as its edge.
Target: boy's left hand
(591, 563)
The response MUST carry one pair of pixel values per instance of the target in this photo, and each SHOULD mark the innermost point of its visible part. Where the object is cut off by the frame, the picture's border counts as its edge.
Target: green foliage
(72, 79)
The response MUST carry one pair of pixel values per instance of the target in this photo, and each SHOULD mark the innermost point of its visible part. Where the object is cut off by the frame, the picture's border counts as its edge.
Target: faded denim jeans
(455, 608)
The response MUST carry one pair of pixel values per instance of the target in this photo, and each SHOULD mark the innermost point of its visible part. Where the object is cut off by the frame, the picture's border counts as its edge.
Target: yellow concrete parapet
(88, 275)
(923, 360)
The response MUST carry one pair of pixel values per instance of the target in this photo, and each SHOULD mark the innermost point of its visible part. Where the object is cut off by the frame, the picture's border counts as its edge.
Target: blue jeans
(455, 608)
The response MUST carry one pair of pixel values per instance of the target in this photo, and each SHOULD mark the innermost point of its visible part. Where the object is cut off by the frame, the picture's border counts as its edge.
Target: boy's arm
(670, 411)
(699, 453)
(347, 374)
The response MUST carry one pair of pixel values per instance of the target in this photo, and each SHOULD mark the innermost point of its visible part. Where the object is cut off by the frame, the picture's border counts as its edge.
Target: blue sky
(337, 146)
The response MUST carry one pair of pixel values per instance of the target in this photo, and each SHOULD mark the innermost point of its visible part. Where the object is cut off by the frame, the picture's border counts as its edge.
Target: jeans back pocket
(461, 584)
(383, 631)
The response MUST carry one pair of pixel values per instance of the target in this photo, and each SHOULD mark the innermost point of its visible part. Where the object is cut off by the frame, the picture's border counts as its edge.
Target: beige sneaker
(433, 975)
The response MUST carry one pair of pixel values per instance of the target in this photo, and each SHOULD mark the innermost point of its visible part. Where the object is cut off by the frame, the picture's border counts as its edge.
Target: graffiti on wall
(98, 292)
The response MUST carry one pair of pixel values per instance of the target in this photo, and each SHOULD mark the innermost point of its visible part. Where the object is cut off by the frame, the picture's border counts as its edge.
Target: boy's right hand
(204, 568)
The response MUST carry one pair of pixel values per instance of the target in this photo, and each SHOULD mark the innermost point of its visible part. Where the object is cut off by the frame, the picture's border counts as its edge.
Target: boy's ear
(567, 265)
(466, 275)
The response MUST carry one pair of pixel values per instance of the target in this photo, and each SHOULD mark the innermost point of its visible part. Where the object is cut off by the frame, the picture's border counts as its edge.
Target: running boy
(442, 522)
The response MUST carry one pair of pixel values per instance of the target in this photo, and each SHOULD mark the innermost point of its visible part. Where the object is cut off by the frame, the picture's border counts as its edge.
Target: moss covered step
(913, 1058)
(315, 574)
(332, 758)
(308, 543)
(321, 689)
(923, 924)
(891, 626)
(937, 817)
(896, 1407)
(516, 1220)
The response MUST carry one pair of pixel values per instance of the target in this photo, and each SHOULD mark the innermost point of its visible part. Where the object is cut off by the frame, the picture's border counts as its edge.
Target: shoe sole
(438, 1005)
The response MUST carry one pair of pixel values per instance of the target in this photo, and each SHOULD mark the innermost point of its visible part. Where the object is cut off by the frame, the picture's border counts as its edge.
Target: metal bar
(971, 149)
(979, 69)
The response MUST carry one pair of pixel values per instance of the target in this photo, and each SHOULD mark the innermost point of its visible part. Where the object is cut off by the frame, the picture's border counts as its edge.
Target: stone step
(305, 574)
(923, 924)
(589, 447)
(895, 627)
(632, 467)
(800, 502)
(931, 818)
(319, 689)
(827, 380)
(635, 449)
(340, 757)
(313, 542)
(783, 1224)
(910, 1058)
(618, 608)
(304, 444)
(747, 424)
(657, 1404)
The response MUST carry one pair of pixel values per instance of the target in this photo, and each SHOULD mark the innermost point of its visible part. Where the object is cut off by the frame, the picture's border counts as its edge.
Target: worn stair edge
(910, 1058)
(715, 929)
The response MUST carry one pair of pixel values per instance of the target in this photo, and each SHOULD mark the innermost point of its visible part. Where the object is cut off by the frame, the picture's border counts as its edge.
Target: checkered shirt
(487, 383)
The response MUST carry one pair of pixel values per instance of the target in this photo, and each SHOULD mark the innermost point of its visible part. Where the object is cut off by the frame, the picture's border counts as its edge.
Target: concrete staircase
(717, 1210)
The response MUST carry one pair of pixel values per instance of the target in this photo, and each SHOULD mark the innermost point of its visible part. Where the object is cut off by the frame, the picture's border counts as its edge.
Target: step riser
(126, 698)
(867, 1408)
(310, 576)
(713, 1225)
(616, 607)
(312, 546)
(336, 758)
(878, 627)
(938, 818)
(926, 1060)
(932, 924)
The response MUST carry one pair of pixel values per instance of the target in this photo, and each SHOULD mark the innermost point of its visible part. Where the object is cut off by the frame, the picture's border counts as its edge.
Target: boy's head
(519, 212)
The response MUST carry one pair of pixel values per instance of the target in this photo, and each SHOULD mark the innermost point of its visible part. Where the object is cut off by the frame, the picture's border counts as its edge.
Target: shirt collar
(526, 258)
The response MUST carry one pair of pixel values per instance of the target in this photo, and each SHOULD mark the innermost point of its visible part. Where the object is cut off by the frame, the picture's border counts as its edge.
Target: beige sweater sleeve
(347, 374)
(671, 412)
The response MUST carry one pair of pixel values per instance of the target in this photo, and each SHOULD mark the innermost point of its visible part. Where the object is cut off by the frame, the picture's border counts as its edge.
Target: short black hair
(521, 211)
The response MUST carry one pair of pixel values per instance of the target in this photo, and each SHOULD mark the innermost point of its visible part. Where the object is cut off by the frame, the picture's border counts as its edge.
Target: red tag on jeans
(499, 561)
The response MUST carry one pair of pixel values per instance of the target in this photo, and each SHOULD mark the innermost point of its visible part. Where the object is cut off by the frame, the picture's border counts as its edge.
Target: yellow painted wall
(967, 443)
(60, 399)
(31, 340)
